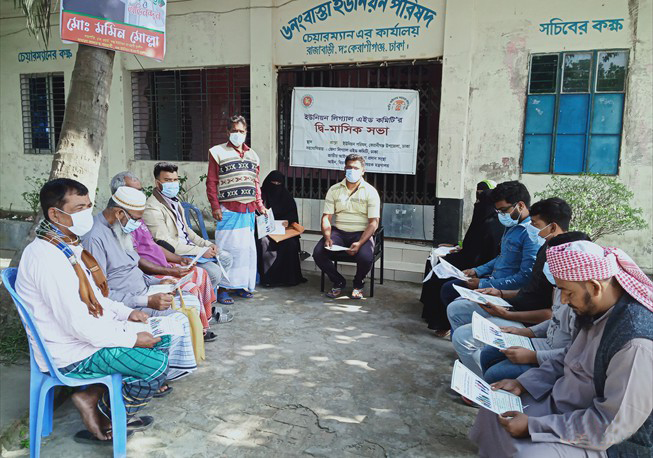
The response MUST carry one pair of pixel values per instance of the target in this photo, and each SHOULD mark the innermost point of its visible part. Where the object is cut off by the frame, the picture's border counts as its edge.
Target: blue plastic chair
(41, 397)
(188, 208)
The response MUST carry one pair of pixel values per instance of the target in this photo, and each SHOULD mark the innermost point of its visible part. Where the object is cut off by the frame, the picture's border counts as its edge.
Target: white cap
(129, 198)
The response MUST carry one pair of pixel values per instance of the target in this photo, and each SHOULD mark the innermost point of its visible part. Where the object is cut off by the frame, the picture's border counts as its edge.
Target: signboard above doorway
(379, 124)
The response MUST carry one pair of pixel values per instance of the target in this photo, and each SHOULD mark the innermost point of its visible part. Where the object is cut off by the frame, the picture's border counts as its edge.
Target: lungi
(143, 370)
(235, 234)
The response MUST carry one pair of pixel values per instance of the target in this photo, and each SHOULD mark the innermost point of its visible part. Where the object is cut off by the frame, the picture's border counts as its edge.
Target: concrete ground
(296, 374)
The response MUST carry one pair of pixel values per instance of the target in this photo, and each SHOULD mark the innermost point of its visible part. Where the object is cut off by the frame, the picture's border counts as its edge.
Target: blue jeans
(468, 348)
(497, 367)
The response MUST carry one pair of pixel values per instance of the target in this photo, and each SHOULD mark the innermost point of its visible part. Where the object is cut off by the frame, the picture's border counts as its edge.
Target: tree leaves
(37, 13)
(600, 204)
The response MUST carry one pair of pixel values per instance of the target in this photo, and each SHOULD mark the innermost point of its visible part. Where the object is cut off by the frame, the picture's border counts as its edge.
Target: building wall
(486, 60)
(485, 48)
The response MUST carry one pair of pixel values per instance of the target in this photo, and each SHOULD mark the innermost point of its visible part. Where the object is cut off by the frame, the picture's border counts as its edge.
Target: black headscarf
(278, 198)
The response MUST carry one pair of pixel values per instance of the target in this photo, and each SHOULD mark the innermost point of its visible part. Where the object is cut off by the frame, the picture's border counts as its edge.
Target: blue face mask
(170, 189)
(548, 274)
(534, 234)
(506, 220)
(131, 225)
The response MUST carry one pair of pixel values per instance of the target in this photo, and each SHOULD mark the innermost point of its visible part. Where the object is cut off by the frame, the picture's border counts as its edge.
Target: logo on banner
(307, 101)
(398, 104)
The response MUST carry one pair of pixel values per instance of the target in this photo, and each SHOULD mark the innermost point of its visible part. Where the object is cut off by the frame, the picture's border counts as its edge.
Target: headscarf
(278, 198)
(584, 261)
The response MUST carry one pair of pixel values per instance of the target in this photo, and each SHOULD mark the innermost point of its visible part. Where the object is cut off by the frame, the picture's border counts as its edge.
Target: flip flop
(162, 394)
(334, 293)
(86, 437)
(244, 294)
(140, 423)
(224, 298)
(357, 294)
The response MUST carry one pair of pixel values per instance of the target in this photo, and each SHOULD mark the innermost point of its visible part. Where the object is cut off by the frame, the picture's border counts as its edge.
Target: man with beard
(596, 400)
(110, 242)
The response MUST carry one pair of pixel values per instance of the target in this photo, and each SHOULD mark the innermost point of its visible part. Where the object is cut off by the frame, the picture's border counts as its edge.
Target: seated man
(110, 242)
(596, 400)
(87, 334)
(512, 268)
(531, 304)
(158, 261)
(164, 217)
(357, 209)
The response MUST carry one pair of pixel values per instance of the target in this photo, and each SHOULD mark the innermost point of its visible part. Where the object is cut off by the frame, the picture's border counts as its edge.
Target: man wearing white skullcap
(110, 242)
(596, 400)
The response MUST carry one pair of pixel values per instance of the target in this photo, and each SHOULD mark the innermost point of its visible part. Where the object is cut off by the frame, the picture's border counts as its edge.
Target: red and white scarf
(583, 261)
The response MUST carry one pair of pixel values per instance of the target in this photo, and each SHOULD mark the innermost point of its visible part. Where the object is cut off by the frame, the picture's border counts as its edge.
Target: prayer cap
(584, 261)
(129, 198)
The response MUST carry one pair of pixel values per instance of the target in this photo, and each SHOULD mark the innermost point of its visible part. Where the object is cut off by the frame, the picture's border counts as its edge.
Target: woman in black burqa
(279, 263)
(480, 244)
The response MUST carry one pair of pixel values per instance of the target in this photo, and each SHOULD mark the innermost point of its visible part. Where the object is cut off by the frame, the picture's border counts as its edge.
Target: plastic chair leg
(118, 417)
(48, 412)
(34, 433)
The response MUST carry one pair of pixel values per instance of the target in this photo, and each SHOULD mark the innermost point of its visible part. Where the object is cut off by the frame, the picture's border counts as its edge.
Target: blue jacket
(513, 267)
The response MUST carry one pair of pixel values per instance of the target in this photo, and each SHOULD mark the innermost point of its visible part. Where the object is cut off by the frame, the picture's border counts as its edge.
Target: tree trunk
(84, 127)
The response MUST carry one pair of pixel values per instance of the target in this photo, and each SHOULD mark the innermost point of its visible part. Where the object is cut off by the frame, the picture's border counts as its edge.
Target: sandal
(357, 294)
(443, 333)
(164, 393)
(86, 437)
(224, 317)
(334, 293)
(224, 298)
(140, 423)
(244, 294)
(210, 336)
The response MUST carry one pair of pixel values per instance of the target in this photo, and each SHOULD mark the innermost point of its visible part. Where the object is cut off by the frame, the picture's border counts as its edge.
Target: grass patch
(13, 343)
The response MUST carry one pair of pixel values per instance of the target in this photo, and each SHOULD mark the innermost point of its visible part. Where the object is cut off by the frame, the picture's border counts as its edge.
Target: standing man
(234, 192)
(357, 208)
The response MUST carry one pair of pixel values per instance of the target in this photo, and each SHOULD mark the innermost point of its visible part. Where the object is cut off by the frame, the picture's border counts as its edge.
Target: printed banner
(379, 124)
(132, 26)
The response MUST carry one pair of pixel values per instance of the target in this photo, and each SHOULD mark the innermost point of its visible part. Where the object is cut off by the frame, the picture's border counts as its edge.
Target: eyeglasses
(504, 210)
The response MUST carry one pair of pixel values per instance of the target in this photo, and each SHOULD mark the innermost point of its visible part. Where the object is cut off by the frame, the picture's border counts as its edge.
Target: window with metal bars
(424, 76)
(43, 100)
(179, 114)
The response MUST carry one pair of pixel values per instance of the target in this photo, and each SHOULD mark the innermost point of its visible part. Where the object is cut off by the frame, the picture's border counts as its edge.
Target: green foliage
(32, 197)
(24, 439)
(37, 13)
(13, 343)
(600, 204)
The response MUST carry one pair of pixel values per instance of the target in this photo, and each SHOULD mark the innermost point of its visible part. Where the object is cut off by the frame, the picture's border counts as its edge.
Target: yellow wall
(485, 48)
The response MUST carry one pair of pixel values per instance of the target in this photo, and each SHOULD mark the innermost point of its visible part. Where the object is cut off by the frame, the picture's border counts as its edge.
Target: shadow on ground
(295, 374)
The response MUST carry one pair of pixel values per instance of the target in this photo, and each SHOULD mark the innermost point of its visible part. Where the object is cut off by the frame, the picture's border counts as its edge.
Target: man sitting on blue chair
(87, 334)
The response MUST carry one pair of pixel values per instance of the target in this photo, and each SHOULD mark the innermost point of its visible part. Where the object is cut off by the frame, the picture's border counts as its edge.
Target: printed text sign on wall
(328, 32)
(557, 26)
(379, 124)
(132, 26)
(50, 54)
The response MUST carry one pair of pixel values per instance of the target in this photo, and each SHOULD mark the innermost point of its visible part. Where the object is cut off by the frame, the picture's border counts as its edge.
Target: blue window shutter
(605, 140)
(538, 130)
(607, 116)
(571, 132)
(604, 154)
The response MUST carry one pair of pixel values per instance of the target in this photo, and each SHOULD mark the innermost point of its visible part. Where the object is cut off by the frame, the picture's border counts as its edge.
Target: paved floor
(295, 374)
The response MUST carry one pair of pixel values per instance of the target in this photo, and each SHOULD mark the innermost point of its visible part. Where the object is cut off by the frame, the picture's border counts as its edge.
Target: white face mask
(237, 138)
(353, 175)
(82, 221)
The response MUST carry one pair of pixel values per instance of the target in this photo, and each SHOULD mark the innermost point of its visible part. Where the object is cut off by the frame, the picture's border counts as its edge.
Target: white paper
(336, 248)
(279, 228)
(490, 334)
(168, 287)
(265, 224)
(163, 325)
(470, 385)
(194, 260)
(445, 269)
(481, 298)
(443, 250)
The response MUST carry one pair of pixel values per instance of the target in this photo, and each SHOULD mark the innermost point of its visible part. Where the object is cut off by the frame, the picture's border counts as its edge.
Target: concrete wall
(487, 45)
(485, 48)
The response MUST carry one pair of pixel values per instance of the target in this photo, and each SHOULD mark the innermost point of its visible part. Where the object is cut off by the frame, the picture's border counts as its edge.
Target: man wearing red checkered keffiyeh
(595, 400)
(584, 261)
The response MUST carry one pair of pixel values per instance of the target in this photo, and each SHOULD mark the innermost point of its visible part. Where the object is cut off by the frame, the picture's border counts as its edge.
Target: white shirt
(49, 287)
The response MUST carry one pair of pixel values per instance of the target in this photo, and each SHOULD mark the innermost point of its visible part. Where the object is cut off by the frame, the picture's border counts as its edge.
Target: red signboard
(120, 27)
